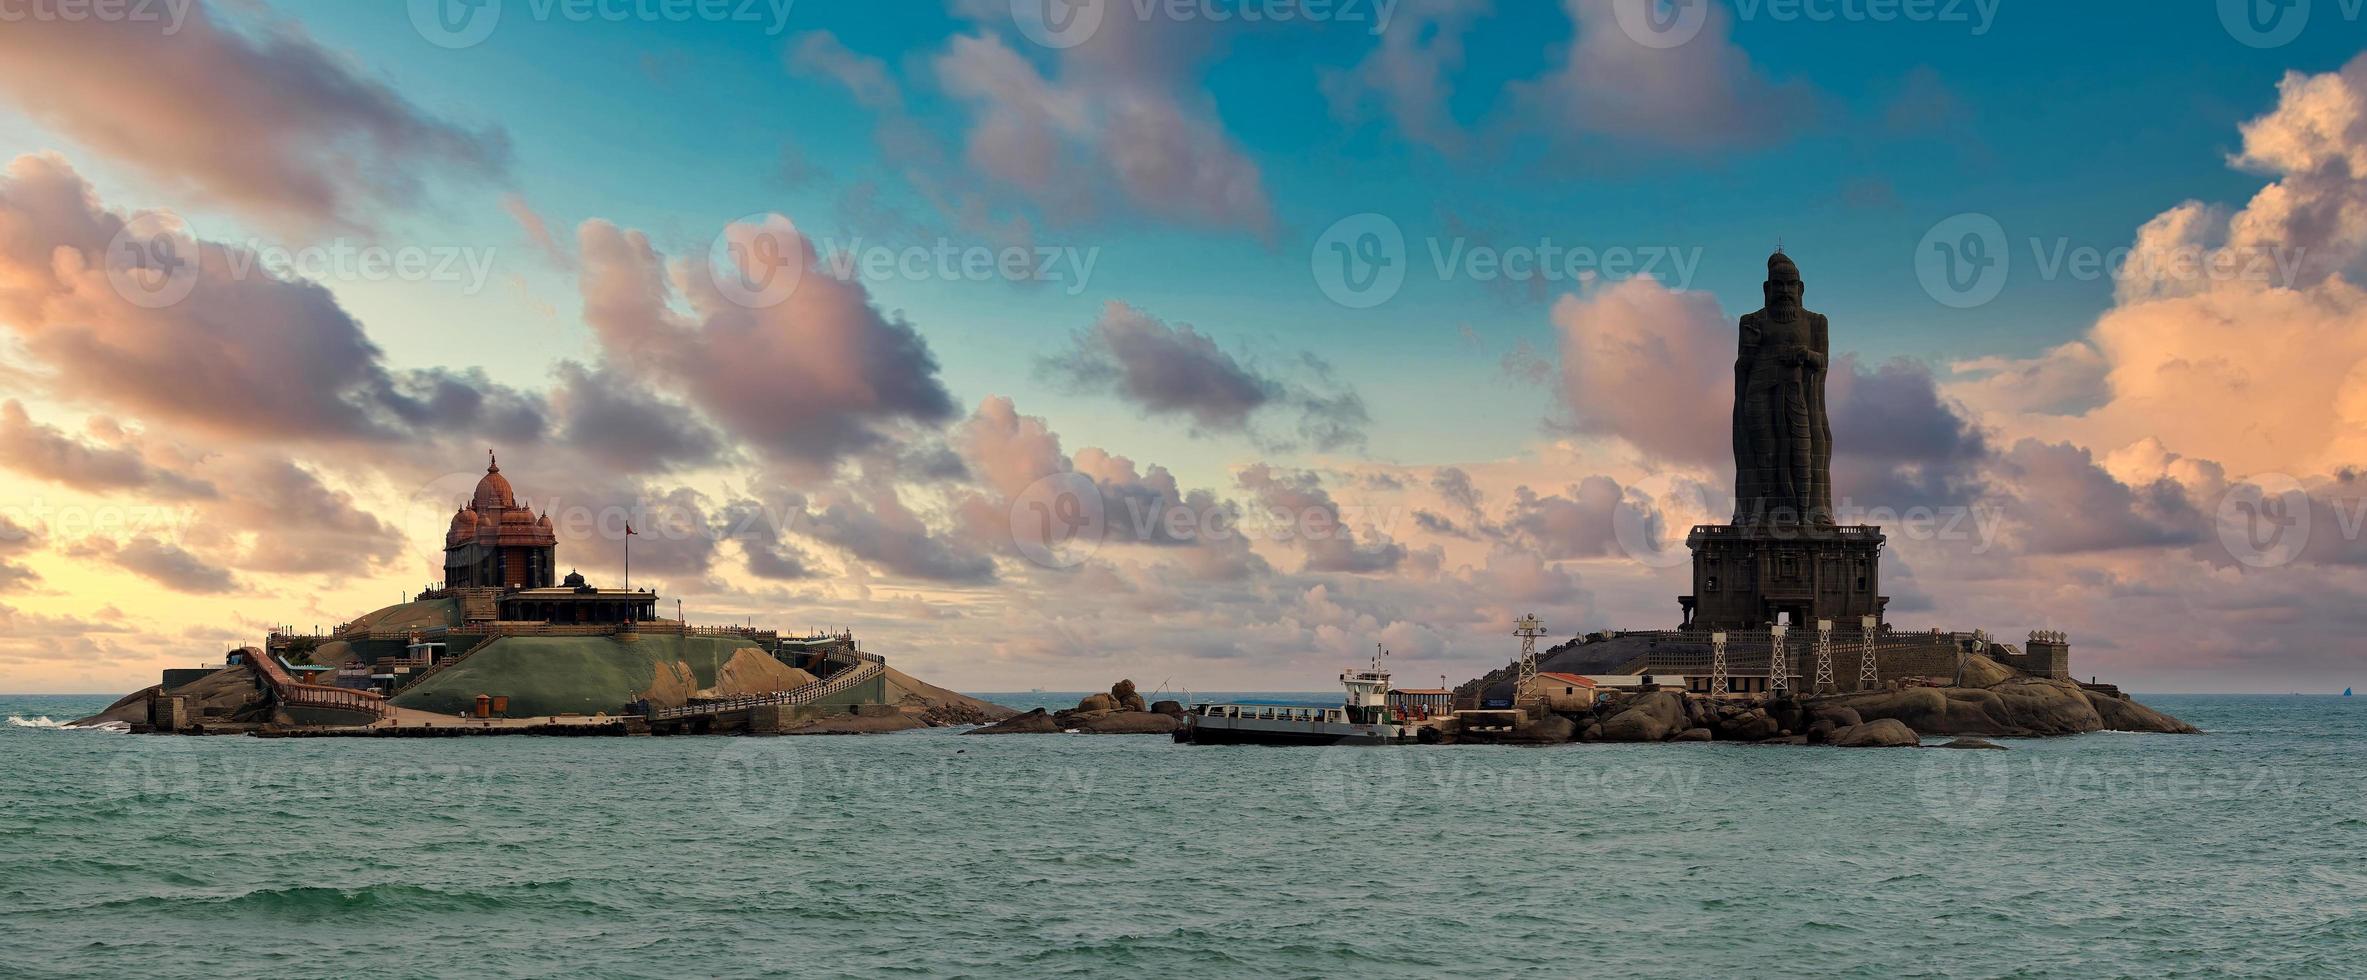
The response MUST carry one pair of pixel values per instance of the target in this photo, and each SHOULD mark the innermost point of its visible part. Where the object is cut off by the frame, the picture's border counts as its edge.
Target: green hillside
(546, 675)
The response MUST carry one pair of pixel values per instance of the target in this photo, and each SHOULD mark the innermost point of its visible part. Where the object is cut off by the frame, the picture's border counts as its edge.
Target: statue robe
(1783, 441)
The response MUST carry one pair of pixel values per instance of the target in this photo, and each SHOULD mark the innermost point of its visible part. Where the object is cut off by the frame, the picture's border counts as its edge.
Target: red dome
(493, 492)
(464, 526)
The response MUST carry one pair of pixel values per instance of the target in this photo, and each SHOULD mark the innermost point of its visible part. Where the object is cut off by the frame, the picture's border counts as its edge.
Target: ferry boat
(1364, 718)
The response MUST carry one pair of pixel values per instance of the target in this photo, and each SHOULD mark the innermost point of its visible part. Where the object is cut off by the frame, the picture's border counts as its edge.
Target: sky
(1211, 344)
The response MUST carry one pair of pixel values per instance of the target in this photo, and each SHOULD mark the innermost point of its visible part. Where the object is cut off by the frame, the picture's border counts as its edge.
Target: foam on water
(52, 724)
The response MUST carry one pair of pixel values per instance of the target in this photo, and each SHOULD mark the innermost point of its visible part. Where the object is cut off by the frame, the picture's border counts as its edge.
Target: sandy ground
(902, 685)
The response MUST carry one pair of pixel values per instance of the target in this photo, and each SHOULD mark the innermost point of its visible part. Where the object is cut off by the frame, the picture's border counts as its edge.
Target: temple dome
(464, 526)
(493, 492)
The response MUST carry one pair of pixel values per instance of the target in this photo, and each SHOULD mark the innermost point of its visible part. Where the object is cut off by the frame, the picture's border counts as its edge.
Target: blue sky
(2073, 122)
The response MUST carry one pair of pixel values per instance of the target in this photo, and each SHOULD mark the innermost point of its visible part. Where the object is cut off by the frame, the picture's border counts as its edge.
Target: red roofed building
(1565, 691)
(495, 543)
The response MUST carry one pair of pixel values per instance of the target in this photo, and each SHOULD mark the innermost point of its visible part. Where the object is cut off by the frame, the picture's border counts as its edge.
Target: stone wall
(2048, 654)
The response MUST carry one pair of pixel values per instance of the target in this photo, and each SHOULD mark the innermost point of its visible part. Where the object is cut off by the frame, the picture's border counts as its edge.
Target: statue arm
(1748, 350)
(1821, 351)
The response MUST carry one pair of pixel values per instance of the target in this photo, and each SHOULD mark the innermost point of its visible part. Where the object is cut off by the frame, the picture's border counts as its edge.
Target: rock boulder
(1746, 726)
(1651, 717)
(2123, 715)
(1037, 722)
(1128, 723)
(1884, 733)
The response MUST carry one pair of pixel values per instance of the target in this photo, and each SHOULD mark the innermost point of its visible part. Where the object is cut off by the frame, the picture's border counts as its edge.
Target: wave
(395, 899)
(47, 722)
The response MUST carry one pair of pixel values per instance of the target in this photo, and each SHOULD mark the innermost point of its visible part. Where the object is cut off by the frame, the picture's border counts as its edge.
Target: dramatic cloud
(241, 354)
(1178, 371)
(1699, 95)
(1112, 121)
(2240, 337)
(1164, 369)
(15, 540)
(755, 527)
(278, 516)
(2066, 380)
(259, 117)
(1298, 503)
(1575, 524)
(48, 453)
(1409, 75)
(1897, 442)
(1651, 366)
(614, 419)
(805, 371)
(872, 523)
(1655, 369)
(1016, 456)
(2067, 503)
(161, 562)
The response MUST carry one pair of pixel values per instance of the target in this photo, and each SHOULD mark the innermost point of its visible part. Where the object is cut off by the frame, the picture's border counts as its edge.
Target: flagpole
(628, 557)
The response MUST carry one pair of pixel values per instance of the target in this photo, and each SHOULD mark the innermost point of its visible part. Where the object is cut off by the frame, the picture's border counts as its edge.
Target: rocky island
(1990, 700)
(1120, 712)
(1786, 636)
(507, 646)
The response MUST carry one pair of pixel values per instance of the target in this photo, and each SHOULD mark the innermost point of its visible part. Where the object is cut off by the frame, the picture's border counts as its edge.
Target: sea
(932, 853)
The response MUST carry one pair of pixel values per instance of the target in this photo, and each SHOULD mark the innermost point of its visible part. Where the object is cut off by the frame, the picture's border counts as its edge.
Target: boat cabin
(1273, 712)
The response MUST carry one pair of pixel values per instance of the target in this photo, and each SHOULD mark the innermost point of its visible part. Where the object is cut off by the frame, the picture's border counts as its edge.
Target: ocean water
(935, 853)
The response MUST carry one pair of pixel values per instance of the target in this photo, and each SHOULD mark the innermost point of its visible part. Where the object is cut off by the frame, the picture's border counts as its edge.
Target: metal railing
(290, 691)
(806, 694)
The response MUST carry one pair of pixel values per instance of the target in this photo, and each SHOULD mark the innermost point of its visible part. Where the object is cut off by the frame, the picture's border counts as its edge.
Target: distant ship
(1363, 718)
(2346, 692)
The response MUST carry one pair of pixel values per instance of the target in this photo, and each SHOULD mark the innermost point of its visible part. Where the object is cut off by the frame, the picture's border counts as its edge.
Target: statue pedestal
(1750, 576)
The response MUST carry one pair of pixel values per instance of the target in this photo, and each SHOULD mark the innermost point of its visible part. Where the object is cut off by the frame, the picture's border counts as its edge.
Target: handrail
(291, 691)
(801, 695)
(464, 655)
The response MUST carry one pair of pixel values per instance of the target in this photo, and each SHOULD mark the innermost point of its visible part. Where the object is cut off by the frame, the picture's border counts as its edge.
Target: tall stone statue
(1783, 442)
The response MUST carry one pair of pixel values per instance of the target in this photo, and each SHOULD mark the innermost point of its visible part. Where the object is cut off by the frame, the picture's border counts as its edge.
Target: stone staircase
(807, 694)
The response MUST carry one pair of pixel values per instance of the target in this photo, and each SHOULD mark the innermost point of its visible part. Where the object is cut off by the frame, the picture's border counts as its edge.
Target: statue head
(1783, 287)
